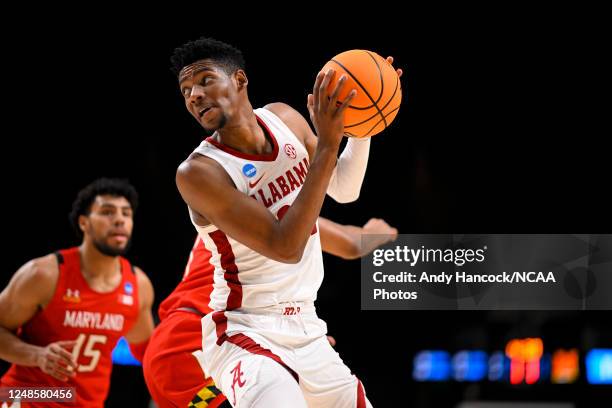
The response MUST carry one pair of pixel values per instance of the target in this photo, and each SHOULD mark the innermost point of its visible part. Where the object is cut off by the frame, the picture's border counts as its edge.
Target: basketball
(379, 91)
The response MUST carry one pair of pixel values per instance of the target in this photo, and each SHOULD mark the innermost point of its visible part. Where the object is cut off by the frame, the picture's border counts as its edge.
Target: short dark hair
(226, 55)
(102, 186)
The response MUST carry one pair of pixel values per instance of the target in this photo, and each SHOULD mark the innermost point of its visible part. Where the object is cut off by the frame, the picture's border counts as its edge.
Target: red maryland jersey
(194, 290)
(95, 320)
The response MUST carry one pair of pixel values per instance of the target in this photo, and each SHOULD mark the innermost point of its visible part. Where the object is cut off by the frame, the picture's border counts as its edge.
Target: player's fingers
(394, 235)
(337, 89)
(390, 60)
(323, 100)
(346, 102)
(315, 88)
(400, 72)
(332, 341)
(57, 374)
(64, 371)
(64, 355)
(66, 343)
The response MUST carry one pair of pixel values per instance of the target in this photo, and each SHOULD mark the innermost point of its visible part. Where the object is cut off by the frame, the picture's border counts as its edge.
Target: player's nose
(197, 94)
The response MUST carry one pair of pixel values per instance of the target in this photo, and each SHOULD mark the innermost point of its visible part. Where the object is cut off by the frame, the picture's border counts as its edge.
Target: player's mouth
(204, 110)
(121, 237)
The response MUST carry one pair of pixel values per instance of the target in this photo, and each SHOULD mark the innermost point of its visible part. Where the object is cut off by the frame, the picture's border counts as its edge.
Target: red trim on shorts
(257, 157)
(361, 401)
(251, 346)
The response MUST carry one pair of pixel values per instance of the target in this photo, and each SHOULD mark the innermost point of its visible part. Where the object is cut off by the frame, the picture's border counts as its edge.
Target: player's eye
(186, 92)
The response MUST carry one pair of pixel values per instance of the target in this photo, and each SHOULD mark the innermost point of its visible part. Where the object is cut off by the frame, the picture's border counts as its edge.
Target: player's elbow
(344, 197)
(287, 252)
(289, 256)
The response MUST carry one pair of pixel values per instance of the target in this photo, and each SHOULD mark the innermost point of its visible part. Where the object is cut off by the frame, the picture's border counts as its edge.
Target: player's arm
(345, 241)
(139, 334)
(31, 288)
(209, 191)
(349, 172)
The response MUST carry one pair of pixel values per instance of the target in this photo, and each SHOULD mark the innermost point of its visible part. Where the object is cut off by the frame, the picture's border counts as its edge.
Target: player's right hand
(378, 226)
(57, 361)
(326, 113)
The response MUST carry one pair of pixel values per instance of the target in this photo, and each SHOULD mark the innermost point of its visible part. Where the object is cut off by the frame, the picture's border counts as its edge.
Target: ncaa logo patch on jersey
(249, 170)
(290, 151)
(128, 288)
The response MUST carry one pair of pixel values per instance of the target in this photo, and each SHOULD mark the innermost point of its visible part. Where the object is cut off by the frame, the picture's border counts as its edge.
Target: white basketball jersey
(244, 278)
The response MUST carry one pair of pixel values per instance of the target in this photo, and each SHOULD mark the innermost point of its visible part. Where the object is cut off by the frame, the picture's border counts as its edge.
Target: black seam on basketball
(364, 90)
(382, 82)
(374, 127)
(358, 83)
(376, 114)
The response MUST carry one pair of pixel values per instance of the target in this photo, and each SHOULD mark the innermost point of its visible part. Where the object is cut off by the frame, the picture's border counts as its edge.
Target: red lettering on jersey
(265, 200)
(306, 163)
(301, 172)
(237, 379)
(292, 181)
(282, 183)
(275, 194)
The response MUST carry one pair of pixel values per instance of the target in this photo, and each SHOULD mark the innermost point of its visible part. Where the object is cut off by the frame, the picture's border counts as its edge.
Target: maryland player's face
(109, 224)
(211, 96)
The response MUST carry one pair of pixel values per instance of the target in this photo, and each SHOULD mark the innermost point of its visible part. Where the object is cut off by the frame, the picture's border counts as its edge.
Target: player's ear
(241, 78)
(83, 222)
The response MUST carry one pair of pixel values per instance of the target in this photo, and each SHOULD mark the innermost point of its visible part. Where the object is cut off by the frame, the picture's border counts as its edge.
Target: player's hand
(326, 112)
(57, 361)
(332, 341)
(399, 70)
(378, 226)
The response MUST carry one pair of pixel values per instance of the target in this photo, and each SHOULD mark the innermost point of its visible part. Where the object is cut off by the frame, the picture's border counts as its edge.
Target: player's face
(211, 95)
(109, 224)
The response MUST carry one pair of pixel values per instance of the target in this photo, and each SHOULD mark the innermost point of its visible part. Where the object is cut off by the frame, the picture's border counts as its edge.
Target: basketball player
(256, 211)
(63, 313)
(172, 373)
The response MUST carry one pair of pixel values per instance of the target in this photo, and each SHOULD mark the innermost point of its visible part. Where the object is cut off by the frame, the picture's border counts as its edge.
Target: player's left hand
(399, 70)
(332, 341)
(378, 226)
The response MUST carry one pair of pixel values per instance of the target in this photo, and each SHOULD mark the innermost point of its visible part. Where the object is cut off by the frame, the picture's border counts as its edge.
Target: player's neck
(98, 268)
(244, 134)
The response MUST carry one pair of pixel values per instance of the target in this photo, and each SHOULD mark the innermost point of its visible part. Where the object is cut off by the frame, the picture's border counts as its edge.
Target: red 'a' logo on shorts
(237, 379)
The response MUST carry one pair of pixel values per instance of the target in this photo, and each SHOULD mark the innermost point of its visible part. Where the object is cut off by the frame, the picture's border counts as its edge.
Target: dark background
(501, 130)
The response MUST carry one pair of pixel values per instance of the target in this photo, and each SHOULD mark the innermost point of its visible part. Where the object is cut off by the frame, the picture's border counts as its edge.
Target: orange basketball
(379, 91)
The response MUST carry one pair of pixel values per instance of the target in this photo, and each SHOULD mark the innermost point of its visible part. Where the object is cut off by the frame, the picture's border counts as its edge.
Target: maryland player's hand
(378, 226)
(57, 361)
(326, 114)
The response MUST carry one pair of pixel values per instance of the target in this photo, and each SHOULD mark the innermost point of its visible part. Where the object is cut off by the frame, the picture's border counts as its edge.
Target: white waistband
(284, 308)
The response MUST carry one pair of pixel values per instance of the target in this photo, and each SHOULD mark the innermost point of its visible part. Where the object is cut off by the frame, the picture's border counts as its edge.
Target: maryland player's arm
(142, 329)
(347, 177)
(30, 288)
(346, 241)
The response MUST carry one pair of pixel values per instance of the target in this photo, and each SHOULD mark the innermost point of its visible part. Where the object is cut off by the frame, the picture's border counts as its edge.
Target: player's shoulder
(44, 269)
(285, 112)
(37, 278)
(199, 170)
(290, 116)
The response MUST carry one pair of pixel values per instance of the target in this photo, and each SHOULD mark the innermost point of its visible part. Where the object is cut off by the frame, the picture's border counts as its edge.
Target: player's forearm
(296, 226)
(16, 351)
(347, 177)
